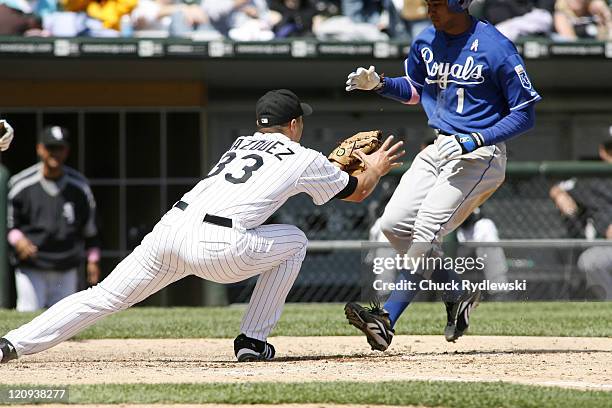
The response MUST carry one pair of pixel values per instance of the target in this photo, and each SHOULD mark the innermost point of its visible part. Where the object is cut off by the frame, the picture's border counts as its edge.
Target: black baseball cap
(278, 107)
(54, 136)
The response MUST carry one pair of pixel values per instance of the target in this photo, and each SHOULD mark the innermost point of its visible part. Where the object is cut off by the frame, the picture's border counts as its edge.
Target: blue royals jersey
(468, 82)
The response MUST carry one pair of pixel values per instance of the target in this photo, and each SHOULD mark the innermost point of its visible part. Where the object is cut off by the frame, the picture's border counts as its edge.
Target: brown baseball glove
(343, 157)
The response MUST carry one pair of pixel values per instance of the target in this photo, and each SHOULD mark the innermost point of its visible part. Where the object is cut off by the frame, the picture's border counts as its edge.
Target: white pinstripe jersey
(259, 173)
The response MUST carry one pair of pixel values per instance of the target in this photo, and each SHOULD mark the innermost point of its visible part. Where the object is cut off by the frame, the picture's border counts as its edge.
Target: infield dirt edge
(581, 363)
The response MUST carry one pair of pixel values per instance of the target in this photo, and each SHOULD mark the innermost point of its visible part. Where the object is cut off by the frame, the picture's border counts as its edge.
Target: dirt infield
(584, 363)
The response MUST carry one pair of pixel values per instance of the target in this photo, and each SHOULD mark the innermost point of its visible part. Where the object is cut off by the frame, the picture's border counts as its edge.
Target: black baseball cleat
(373, 322)
(458, 314)
(249, 349)
(8, 350)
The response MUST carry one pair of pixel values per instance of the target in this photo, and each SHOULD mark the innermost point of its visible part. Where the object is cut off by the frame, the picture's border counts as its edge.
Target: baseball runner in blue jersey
(476, 93)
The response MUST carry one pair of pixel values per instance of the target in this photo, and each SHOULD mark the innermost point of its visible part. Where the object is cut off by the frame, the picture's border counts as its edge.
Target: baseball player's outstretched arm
(377, 165)
(399, 89)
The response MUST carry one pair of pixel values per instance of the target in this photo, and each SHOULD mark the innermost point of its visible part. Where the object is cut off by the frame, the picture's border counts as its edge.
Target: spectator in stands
(240, 20)
(583, 19)
(361, 20)
(51, 219)
(586, 206)
(414, 16)
(383, 14)
(108, 12)
(363, 11)
(17, 18)
(175, 18)
(292, 17)
(517, 18)
(327, 8)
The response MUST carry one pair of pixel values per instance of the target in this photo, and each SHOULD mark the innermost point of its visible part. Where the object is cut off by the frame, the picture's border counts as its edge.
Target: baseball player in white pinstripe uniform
(215, 231)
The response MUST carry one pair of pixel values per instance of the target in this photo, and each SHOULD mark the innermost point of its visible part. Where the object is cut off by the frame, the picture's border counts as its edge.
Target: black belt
(209, 218)
(181, 204)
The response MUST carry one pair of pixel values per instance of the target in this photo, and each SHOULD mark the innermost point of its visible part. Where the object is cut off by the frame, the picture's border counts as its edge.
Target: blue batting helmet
(458, 6)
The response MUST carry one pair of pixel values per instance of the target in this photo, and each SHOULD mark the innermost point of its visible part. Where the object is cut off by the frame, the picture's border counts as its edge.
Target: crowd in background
(263, 20)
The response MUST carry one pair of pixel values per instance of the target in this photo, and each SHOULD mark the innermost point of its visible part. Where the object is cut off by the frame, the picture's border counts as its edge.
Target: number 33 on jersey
(258, 173)
(468, 82)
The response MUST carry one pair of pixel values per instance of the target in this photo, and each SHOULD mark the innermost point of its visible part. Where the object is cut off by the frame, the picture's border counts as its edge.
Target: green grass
(422, 393)
(584, 319)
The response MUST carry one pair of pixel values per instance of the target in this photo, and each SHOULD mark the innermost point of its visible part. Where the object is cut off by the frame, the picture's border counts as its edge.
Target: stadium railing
(177, 48)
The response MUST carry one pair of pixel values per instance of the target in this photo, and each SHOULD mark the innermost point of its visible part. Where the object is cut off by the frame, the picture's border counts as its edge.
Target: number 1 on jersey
(460, 98)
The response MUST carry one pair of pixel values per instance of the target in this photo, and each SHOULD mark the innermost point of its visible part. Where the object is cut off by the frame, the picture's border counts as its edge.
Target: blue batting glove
(468, 142)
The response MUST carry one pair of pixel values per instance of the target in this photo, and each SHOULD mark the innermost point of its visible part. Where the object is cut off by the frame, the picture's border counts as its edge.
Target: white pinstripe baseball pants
(181, 245)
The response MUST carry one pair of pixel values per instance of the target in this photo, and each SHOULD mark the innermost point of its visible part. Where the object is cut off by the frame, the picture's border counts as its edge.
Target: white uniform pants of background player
(435, 196)
(37, 288)
(180, 245)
